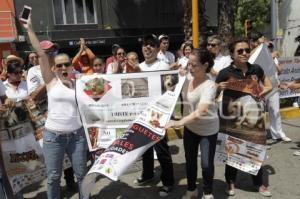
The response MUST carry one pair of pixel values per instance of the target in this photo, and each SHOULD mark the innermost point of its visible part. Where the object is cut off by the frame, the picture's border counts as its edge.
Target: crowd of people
(208, 70)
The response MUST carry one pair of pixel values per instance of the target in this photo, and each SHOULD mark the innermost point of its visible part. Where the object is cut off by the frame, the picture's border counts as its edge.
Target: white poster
(109, 103)
(146, 130)
(243, 155)
(290, 72)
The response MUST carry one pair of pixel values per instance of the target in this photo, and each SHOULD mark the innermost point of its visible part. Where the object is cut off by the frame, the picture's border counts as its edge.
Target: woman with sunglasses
(200, 121)
(63, 128)
(241, 69)
(119, 62)
(16, 88)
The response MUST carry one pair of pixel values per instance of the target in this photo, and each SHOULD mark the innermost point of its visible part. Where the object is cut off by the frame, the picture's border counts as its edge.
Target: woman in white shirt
(63, 128)
(200, 121)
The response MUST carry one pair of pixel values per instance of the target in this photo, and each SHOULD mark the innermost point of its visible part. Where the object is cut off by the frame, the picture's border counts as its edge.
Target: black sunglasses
(18, 72)
(212, 45)
(242, 50)
(98, 64)
(63, 64)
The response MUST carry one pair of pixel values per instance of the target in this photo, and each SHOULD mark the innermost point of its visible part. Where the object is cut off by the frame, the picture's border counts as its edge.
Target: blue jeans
(54, 147)
(191, 143)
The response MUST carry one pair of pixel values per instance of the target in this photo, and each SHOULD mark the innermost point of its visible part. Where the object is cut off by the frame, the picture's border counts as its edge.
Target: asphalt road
(281, 166)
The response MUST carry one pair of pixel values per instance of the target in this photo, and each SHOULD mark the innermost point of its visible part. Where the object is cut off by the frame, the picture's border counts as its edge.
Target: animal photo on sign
(168, 82)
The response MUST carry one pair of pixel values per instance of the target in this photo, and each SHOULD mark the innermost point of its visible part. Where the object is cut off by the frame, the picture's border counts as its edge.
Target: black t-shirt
(254, 72)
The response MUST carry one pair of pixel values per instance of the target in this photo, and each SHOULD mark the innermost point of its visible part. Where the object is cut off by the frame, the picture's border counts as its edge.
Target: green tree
(258, 11)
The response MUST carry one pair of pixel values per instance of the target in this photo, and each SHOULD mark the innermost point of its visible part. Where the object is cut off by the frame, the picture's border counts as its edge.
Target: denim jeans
(191, 143)
(54, 147)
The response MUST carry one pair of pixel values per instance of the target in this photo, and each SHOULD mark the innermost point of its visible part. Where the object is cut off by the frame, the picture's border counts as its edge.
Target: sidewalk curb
(290, 112)
(286, 113)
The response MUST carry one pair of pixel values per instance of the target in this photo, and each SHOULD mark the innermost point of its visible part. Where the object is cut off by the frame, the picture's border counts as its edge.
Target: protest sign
(238, 153)
(146, 130)
(245, 85)
(22, 159)
(290, 72)
(109, 103)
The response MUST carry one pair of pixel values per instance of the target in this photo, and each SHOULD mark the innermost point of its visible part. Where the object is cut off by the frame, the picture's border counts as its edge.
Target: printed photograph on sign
(243, 117)
(168, 82)
(96, 88)
(134, 88)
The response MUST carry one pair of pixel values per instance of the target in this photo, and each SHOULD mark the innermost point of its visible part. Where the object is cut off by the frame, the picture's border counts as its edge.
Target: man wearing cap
(164, 54)
(35, 81)
(111, 59)
(150, 49)
(83, 59)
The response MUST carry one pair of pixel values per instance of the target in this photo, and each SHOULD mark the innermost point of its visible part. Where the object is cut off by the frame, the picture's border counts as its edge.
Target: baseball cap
(46, 44)
(160, 37)
(151, 39)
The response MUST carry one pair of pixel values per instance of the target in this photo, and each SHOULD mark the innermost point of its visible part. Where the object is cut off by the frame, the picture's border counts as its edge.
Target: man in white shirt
(150, 50)
(220, 61)
(164, 54)
(151, 63)
(34, 78)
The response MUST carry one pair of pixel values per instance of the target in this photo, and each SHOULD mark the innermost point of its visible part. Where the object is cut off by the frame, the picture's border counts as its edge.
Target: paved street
(282, 172)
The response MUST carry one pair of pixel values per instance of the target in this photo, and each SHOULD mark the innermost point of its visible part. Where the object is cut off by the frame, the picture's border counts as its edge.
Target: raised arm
(47, 73)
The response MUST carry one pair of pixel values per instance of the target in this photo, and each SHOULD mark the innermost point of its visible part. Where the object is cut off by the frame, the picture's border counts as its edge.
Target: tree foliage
(258, 11)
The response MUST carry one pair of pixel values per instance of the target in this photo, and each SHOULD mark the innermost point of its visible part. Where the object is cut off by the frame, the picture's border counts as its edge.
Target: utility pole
(195, 23)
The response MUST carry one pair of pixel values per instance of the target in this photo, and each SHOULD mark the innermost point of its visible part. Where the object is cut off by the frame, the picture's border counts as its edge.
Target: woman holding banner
(64, 132)
(200, 121)
(240, 69)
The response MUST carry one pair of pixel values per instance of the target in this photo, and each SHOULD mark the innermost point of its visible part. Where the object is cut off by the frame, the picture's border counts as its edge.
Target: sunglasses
(18, 72)
(212, 45)
(63, 64)
(242, 50)
(52, 51)
(120, 53)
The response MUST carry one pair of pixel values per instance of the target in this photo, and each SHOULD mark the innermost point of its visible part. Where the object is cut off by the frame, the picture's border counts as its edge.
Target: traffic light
(248, 27)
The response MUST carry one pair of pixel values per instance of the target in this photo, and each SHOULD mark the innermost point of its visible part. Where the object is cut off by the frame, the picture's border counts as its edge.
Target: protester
(164, 54)
(117, 66)
(214, 46)
(132, 63)
(186, 50)
(16, 88)
(292, 85)
(32, 59)
(98, 65)
(82, 61)
(64, 130)
(150, 49)
(255, 39)
(200, 121)
(241, 69)
(273, 103)
(111, 59)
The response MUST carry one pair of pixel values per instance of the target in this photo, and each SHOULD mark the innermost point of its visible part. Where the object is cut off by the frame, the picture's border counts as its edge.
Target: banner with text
(146, 130)
(109, 103)
(290, 72)
(22, 160)
(243, 155)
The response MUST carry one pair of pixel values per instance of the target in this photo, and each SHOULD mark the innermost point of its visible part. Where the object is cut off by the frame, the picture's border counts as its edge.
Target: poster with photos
(111, 102)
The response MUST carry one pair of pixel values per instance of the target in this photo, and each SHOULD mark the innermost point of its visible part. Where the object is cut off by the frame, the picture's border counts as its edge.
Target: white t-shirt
(220, 62)
(34, 78)
(183, 61)
(2, 89)
(167, 57)
(205, 93)
(16, 94)
(155, 66)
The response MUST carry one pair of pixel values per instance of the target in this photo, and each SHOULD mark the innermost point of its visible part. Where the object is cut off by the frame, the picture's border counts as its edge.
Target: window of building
(69, 12)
